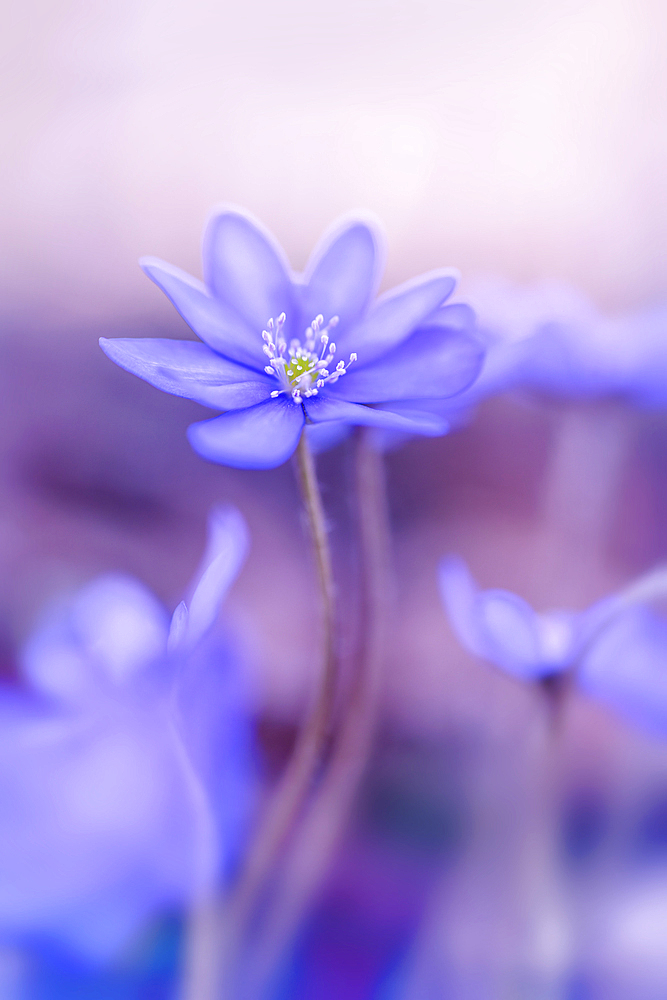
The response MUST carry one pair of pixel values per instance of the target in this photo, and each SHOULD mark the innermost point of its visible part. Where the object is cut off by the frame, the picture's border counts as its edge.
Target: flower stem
(324, 822)
(300, 774)
(200, 972)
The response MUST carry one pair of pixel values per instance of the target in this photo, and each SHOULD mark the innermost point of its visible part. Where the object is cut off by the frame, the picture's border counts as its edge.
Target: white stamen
(304, 372)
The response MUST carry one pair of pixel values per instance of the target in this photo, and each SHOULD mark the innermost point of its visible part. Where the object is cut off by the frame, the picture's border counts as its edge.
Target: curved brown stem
(299, 775)
(324, 822)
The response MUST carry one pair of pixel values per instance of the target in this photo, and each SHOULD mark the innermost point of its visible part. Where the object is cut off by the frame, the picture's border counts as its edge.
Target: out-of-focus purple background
(521, 139)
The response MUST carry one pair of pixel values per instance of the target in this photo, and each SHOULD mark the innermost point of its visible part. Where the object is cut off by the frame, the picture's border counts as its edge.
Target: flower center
(303, 368)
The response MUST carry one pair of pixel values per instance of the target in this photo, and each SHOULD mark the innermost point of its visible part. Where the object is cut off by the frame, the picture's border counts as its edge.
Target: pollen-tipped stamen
(303, 372)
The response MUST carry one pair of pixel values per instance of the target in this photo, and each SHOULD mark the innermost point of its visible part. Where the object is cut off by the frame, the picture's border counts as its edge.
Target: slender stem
(547, 942)
(316, 729)
(296, 782)
(200, 974)
(324, 822)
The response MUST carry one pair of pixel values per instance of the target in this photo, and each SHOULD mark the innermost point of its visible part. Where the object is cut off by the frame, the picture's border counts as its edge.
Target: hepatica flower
(549, 338)
(617, 650)
(129, 720)
(280, 350)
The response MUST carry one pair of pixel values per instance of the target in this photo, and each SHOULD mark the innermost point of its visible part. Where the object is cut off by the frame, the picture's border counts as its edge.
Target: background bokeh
(523, 139)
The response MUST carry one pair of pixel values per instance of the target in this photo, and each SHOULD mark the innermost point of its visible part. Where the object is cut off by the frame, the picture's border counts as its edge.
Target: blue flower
(281, 350)
(131, 722)
(617, 650)
(501, 627)
(549, 338)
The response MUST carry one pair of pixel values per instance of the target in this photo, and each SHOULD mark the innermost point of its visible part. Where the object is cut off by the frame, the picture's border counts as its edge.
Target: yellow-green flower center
(299, 365)
(300, 369)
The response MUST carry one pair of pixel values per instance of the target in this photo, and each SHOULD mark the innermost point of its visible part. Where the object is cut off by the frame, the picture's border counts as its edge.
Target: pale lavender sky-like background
(522, 137)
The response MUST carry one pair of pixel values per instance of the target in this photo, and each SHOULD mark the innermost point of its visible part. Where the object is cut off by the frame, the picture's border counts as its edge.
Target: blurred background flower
(125, 770)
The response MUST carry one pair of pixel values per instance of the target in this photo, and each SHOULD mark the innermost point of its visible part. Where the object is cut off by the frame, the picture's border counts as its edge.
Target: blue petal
(397, 314)
(188, 369)
(322, 408)
(457, 316)
(343, 273)
(459, 595)
(508, 627)
(433, 423)
(260, 437)
(217, 325)
(120, 623)
(112, 629)
(627, 668)
(493, 624)
(246, 269)
(178, 627)
(433, 363)
(225, 554)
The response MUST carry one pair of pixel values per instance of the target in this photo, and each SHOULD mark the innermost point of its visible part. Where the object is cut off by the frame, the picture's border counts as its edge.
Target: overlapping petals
(398, 313)
(343, 272)
(186, 368)
(432, 362)
(98, 759)
(502, 628)
(627, 668)
(549, 338)
(245, 268)
(404, 348)
(616, 650)
(260, 437)
(219, 326)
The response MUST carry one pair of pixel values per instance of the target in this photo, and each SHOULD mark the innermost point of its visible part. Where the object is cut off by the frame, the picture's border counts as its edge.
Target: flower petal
(112, 629)
(459, 592)
(120, 623)
(178, 627)
(260, 437)
(188, 369)
(225, 554)
(494, 624)
(246, 269)
(322, 408)
(343, 272)
(397, 314)
(508, 627)
(626, 667)
(456, 316)
(433, 363)
(214, 321)
(432, 422)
